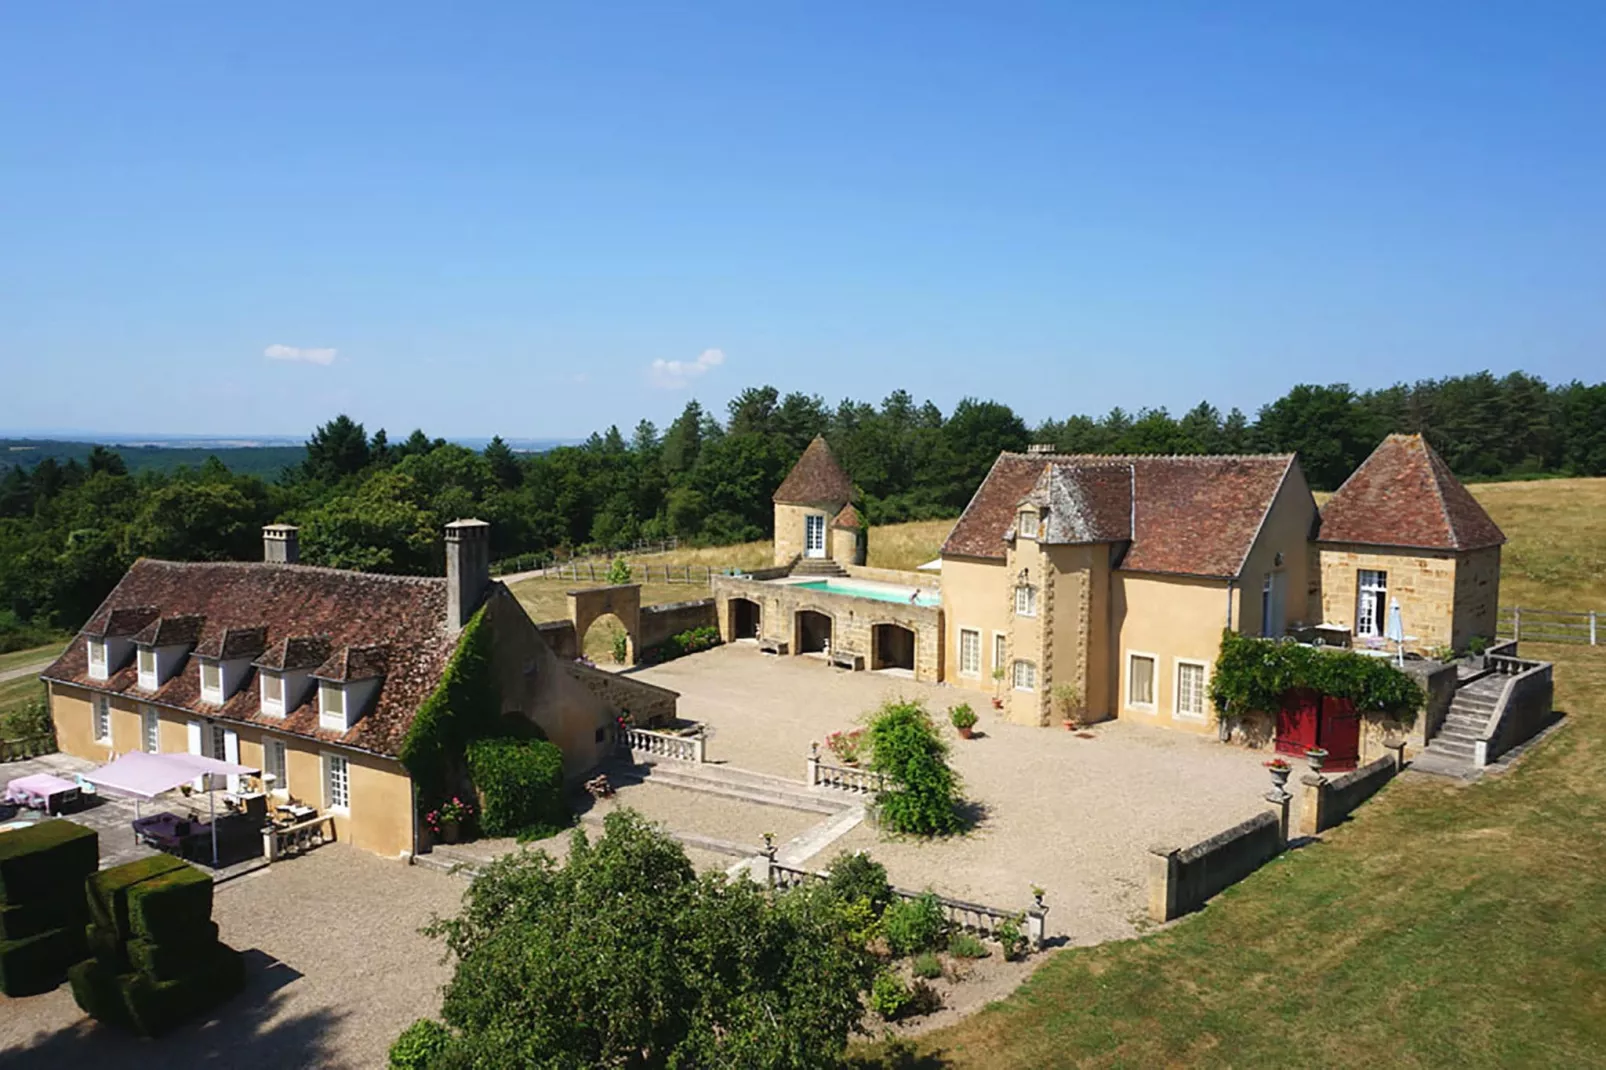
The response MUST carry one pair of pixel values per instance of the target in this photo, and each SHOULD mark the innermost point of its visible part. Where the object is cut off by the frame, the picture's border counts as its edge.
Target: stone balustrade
(642, 742)
(848, 778)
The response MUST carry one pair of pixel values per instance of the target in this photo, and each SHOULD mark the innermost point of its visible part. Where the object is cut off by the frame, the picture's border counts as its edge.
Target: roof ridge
(1124, 458)
(281, 566)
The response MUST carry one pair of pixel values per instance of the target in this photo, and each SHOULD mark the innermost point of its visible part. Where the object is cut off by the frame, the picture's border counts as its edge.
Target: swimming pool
(877, 591)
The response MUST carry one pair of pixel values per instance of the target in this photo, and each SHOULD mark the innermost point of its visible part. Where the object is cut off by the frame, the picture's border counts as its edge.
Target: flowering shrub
(848, 745)
(457, 810)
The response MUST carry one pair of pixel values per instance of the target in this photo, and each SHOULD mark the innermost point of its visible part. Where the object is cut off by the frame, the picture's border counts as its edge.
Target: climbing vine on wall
(465, 705)
(1254, 674)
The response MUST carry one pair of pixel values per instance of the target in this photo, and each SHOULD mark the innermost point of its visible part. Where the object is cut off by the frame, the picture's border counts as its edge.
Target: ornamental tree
(923, 797)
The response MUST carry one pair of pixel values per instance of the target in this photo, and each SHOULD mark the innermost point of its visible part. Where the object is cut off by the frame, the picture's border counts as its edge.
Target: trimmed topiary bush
(419, 1045)
(42, 908)
(174, 907)
(107, 891)
(520, 782)
(46, 860)
(39, 963)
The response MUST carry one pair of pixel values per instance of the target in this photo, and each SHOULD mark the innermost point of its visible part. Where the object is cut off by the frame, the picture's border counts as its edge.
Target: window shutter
(231, 753)
(324, 761)
(194, 728)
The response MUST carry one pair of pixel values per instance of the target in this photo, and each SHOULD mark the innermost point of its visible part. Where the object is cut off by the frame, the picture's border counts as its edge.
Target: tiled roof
(121, 622)
(350, 611)
(815, 478)
(295, 652)
(1193, 516)
(1084, 503)
(354, 663)
(183, 629)
(226, 644)
(847, 518)
(1405, 495)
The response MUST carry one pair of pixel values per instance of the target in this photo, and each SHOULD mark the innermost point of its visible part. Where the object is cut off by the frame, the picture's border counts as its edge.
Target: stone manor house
(1112, 578)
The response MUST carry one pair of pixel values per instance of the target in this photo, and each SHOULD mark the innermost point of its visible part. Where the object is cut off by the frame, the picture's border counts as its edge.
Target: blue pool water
(880, 594)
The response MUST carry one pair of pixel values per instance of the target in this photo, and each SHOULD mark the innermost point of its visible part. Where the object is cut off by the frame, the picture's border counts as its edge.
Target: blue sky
(502, 218)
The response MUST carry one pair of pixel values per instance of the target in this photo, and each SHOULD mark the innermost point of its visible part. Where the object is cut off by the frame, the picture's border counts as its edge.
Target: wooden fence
(1548, 625)
(547, 559)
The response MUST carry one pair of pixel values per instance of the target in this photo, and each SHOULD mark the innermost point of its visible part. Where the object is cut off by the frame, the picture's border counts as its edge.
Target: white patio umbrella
(145, 776)
(1396, 631)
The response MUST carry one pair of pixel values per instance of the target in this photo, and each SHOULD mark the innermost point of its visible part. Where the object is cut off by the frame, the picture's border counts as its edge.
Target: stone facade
(853, 619)
(1446, 597)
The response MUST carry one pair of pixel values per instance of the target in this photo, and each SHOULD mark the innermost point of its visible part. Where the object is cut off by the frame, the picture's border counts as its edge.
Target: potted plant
(447, 820)
(1069, 697)
(963, 718)
(847, 745)
(1316, 756)
(998, 688)
(1280, 769)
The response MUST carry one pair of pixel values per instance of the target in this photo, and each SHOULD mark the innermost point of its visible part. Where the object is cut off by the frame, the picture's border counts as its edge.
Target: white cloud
(674, 374)
(300, 354)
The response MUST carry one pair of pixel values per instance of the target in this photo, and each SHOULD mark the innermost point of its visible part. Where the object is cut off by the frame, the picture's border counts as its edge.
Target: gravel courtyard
(1073, 815)
(336, 969)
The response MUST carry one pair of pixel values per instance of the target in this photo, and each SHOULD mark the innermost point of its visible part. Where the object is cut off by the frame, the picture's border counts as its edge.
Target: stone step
(1453, 747)
(771, 791)
(442, 857)
(1443, 765)
(1482, 702)
(1458, 734)
(1467, 720)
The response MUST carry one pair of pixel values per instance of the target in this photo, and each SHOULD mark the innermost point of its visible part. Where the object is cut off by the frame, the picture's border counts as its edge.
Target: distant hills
(263, 456)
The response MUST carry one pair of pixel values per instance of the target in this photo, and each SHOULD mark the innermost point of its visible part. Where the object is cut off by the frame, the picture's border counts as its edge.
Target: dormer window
(332, 706)
(211, 682)
(272, 693)
(97, 659)
(147, 669)
(1026, 524)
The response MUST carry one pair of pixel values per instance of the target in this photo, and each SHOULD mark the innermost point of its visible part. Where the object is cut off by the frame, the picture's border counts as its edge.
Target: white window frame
(1154, 681)
(101, 716)
(1026, 524)
(974, 634)
(1025, 600)
(814, 524)
(147, 679)
(212, 692)
(269, 704)
(330, 762)
(1000, 650)
(1204, 690)
(325, 713)
(98, 667)
(281, 775)
(1365, 586)
(150, 730)
(1015, 675)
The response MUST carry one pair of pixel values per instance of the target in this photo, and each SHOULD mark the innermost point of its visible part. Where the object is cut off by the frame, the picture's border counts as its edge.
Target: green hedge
(419, 1045)
(465, 705)
(520, 783)
(31, 919)
(107, 891)
(172, 908)
(44, 860)
(691, 641)
(150, 1007)
(169, 961)
(1252, 676)
(39, 963)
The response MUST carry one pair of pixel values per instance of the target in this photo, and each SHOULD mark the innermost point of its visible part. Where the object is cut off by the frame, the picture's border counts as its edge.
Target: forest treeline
(68, 531)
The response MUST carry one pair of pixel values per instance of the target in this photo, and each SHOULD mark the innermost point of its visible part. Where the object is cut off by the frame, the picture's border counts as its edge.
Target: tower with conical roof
(814, 515)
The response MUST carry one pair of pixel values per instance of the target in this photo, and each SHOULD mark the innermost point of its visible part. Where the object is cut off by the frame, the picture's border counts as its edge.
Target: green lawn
(1443, 926)
(18, 658)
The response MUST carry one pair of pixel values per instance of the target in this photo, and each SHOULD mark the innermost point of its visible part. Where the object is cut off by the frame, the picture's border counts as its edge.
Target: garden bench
(850, 662)
(773, 646)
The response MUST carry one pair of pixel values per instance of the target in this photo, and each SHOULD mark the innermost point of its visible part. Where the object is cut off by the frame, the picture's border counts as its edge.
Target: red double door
(1308, 720)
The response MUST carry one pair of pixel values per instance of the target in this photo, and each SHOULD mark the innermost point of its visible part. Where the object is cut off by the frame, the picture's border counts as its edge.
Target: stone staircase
(733, 783)
(819, 568)
(1453, 749)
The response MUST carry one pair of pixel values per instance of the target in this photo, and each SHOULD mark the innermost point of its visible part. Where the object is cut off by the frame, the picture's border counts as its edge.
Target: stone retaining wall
(1181, 879)
(1329, 802)
(661, 622)
(1525, 710)
(559, 635)
(648, 704)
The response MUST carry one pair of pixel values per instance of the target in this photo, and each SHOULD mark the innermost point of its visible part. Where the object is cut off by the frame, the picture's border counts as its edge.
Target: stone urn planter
(1317, 757)
(1279, 774)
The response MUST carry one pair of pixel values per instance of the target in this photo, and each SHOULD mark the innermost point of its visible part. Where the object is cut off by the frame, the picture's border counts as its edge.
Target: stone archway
(812, 632)
(892, 646)
(622, 600)
(746, 619)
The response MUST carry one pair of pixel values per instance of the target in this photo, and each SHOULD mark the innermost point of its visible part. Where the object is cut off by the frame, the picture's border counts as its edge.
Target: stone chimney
(468, 570)
(279, 544)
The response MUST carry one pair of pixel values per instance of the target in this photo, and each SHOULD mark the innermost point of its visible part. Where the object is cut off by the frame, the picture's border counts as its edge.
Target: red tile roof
(1405, 495)
(847, 518)
(307, 613)
(815, 478)
(122, 622)
(227, 644)
(1194, 516)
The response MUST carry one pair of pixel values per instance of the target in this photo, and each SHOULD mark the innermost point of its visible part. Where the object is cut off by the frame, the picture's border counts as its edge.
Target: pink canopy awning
(146, 776)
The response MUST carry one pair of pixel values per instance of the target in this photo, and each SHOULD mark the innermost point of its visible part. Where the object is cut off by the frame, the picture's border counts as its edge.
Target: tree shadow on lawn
(241, 1032)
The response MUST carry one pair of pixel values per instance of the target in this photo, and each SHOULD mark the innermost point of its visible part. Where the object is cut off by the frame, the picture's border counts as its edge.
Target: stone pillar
(1398, 747)
(1162, 883)
(1037, 924)
(280, 544)
(1279, 800)
(1312, 805)
(812, 777)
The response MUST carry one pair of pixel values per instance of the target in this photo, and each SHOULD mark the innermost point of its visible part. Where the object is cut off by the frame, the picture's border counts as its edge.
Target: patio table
(41, 791)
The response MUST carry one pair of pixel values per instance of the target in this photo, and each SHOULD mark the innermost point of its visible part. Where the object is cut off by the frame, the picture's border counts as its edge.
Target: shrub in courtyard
(927, 965)
(520, 782)
(859, 878)
(963, 945)
(42, 906)
(923, 798)
(420, 1045)
(889, 996)
(618, 571)
(1252, 675)
(667, 969)
(962, 717)
(846, 745)
(691, 641)
(620, 642)
(915, 925)
(1010, 938)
